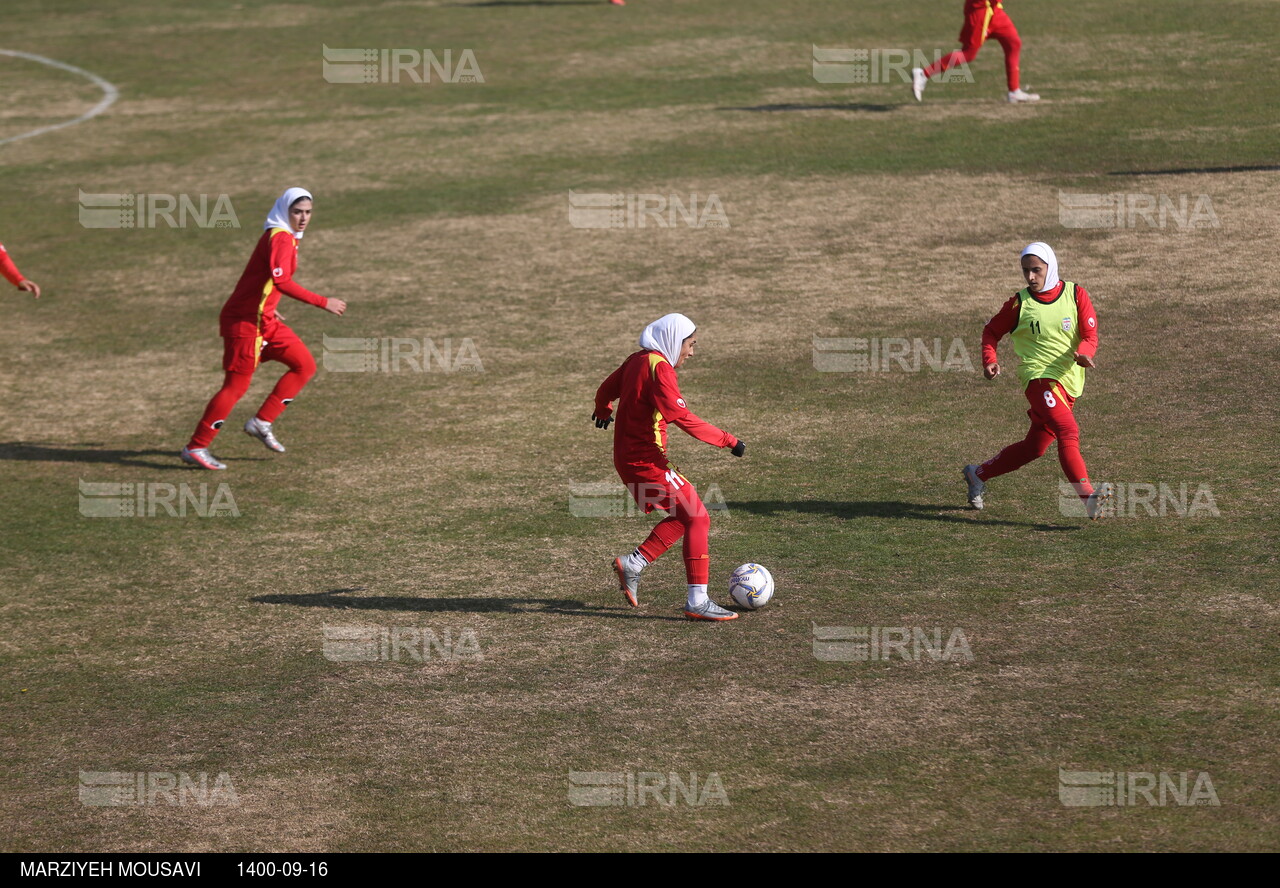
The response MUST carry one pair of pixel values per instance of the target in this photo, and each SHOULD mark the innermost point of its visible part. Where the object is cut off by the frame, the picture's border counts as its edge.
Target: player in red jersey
(1055, 335)
(648, 397)
(13, 276)
(253, 332)
(982, 19)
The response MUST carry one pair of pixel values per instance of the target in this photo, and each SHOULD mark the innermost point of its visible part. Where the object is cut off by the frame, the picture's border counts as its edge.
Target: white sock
(697, 595)
(635, 562)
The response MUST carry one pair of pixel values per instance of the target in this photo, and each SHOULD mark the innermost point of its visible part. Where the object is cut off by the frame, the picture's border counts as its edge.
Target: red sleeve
(673, 409)
(284, 261)
(610, 390)
(8, 269)
(1088, 323)
(997, 328)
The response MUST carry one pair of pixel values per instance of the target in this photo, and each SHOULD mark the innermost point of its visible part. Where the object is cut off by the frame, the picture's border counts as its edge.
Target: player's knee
(236, 384)
(697, 521)
(305, 366)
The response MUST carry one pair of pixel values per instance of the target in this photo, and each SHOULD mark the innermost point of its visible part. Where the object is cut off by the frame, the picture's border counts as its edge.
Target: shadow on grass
(92, 452)
(532, 3)
(340, 599)
(888, 509)
(1262, 168)
(797, 106)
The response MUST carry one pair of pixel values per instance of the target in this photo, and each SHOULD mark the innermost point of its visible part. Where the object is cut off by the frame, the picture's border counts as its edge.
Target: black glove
(602, 423)
(739, 448)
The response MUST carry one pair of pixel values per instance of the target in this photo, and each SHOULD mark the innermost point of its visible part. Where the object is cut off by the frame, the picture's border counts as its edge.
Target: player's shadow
(829, 106)
(887, 509)
(93, 452)
(530, 3)
(1189, 171)
(342, 599)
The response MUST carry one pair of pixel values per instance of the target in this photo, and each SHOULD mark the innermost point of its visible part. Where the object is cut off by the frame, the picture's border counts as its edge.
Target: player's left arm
(1088, 318)
(674, 409)
(610, 390)
(13, 276)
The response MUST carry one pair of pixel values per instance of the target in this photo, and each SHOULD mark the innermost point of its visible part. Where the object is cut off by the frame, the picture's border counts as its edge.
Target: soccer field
(404, 634)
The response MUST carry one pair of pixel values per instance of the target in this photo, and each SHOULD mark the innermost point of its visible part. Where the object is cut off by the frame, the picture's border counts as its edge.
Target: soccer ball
(751, 586)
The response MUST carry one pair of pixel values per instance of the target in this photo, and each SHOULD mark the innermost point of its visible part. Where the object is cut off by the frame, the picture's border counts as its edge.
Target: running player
(253, 332)
(13, 276)
(1055, 335)
(648, 398)
(982, 19)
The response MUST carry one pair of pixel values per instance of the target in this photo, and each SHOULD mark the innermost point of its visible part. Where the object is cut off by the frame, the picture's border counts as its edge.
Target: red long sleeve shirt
(1006, 320)
(648, 397)
(252, 304)
(8, 269)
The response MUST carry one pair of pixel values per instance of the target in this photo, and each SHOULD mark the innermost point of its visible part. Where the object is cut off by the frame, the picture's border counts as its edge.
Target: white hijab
(1045, 252)
(667, 335)
(279, 215)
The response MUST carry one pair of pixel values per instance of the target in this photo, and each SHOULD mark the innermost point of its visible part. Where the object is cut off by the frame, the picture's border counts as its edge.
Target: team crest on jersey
(277, 272)
(1092, 323)
(1066, 325)
(680, 402)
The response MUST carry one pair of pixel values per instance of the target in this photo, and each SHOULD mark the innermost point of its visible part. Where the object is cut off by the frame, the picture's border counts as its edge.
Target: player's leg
(1004, 32)
(283, 345)
(1060, 418)
(1013, 457)
(972, 36)
(691, 511)
(239, 358)
(647, 484)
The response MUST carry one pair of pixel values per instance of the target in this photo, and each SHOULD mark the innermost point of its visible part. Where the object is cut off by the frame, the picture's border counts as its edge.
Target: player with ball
(648, 398)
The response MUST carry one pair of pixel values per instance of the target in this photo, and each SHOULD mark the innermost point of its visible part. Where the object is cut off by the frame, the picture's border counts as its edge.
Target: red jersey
(648, 398)
(1006, 321)
(252, 305)
(8, 269)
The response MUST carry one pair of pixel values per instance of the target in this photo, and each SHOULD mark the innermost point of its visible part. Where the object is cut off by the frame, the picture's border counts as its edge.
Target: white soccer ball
(751, 586)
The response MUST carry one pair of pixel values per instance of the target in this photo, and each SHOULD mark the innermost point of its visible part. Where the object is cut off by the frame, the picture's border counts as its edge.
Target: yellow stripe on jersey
(986, 22)
(654, 361)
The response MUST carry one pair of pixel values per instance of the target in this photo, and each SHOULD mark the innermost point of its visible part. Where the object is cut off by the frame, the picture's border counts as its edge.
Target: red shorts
(984, 23)
(1051, 407)
(656, 487)
(242, 354)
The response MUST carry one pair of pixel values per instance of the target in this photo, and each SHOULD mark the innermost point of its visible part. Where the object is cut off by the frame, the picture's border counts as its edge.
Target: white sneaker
(976, 487)
(256, 428)
(918, 81)
(628, 581)
(201, 457)
(1098, 500)
(1018, 95)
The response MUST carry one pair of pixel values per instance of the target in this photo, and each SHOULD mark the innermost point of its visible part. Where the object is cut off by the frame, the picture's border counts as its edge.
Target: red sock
(234, 385)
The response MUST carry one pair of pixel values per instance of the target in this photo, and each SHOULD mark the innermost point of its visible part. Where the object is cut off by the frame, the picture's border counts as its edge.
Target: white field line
(109, 94)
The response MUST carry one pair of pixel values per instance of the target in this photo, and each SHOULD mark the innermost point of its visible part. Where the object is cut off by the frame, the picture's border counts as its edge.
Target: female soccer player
(1055, 335)
(982, 19)
(252, 331)
(648, 398)
(13, 276)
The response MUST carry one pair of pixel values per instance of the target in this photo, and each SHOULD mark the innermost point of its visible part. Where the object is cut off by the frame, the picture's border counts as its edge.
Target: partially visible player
(1055, 336)
(648, 397)
(13, 276)
(253, 332)
(982, 19)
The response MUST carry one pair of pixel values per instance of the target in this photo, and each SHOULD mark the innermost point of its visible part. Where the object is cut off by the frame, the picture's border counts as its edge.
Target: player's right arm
(13, 276)
(1004, 322)
(610, 390)
(284, 261)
